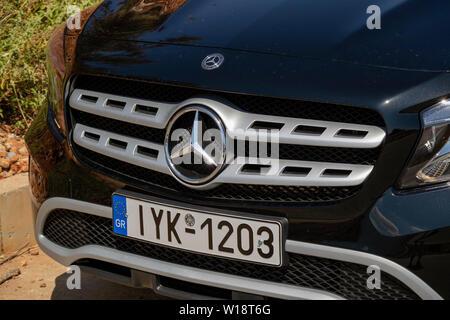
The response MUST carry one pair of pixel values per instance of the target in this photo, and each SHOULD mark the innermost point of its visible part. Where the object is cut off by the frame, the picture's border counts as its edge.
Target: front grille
(130, 173)
(72, 230)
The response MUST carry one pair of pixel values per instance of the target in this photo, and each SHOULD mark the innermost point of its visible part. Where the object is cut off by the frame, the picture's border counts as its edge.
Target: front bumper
(201, 276)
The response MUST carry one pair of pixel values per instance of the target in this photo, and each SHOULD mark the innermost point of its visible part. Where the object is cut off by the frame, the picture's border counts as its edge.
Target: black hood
(414, 34)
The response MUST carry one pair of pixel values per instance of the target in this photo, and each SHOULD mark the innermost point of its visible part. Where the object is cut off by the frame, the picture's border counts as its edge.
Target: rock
(14, 159)
(9, 275)
(5, 163)
(12, 145)
(23, 263)
(9, 155)
(43, 285)
(13, 153)
(15, 168)
(34, 252)
(24, 165)
(23, 151)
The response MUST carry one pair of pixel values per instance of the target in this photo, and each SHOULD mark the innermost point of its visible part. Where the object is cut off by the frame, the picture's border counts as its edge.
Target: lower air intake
(71, 229)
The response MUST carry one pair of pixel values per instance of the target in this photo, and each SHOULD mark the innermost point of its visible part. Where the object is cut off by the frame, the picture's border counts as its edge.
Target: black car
(250, 149)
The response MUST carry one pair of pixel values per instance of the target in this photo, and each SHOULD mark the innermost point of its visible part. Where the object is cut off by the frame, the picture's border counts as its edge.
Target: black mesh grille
(324, 154)
(249, 103)
(72, 230)
(321, 154)
(235, 192)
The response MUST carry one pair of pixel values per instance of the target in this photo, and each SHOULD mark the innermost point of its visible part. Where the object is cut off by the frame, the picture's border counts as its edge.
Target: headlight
(431, 160)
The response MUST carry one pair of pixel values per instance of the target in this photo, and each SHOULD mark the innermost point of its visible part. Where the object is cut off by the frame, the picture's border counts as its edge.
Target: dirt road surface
(41, 278)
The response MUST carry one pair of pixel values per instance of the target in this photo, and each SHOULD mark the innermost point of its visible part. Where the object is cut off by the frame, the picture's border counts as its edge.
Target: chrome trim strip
(128, 113)
(274, 174)
(238, 123)
(129, 154)
(68, 256)
(233, 172)
(204, 277)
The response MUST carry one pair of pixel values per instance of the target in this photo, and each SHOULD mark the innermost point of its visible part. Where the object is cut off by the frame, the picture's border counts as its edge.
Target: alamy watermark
(74, 21)
(374, 279)
(74, 280)
(255, 146)
(373, 282)
(374, 20)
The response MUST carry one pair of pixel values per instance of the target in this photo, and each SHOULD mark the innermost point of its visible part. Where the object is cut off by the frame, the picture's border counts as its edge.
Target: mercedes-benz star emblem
(213, 61)
(190, 220)
(195, 145)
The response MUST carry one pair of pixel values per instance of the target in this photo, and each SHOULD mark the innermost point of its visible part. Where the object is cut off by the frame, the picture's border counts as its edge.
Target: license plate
(241, 237)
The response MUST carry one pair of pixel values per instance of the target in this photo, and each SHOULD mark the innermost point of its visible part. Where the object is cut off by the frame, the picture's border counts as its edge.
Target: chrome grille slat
(233, 172)
(129, 154)
(274, 175)
(127, 113)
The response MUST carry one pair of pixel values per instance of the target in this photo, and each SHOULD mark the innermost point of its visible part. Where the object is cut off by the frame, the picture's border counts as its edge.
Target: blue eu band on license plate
(120, 215)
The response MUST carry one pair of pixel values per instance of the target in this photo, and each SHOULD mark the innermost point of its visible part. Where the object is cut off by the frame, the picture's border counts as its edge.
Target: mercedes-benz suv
(250, 149)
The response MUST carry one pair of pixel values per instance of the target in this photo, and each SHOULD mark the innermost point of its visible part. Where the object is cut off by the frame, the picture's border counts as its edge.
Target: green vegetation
(25, 27)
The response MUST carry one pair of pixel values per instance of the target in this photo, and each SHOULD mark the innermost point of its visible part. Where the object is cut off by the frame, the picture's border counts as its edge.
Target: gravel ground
(13, 153)
(41, 278)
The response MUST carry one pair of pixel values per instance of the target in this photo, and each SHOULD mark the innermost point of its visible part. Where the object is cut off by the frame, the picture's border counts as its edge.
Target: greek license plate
(246, 237)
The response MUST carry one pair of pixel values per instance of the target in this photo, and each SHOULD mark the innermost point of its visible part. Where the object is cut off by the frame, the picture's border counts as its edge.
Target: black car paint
(411, 228)
(413, 35)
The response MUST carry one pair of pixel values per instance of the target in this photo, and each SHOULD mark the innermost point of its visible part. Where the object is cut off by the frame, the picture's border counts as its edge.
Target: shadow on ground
(93, 288)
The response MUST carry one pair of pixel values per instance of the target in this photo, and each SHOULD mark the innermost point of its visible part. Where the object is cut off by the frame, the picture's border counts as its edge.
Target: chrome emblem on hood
(213, 61)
